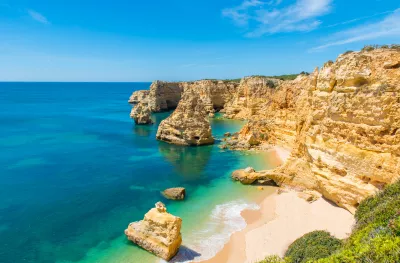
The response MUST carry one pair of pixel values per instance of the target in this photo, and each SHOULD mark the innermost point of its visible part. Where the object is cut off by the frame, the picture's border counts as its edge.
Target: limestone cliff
(188, 124)
(141, 113)
(342, 124)
(138, 96)
(249, 96)
(164, 96)
(159, 232)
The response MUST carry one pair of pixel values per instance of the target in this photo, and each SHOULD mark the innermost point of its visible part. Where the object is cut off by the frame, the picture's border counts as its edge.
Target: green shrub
(348, 52)
(273, 259)
(376, 235)
(368, 48)
(394, 224)
(378, 210)
(312, 246)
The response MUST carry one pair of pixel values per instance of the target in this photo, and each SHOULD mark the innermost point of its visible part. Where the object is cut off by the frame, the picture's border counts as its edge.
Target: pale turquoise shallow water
(75, 170)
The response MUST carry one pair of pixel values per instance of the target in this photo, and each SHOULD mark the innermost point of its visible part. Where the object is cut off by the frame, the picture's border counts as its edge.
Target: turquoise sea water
(75, 171)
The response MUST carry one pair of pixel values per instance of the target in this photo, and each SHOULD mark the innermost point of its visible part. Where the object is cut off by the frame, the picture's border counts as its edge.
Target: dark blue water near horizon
(75, 170)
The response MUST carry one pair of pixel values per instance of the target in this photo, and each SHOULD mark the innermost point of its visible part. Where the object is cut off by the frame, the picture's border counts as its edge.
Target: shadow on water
(142, 130)
(185, 254)
(189, 162)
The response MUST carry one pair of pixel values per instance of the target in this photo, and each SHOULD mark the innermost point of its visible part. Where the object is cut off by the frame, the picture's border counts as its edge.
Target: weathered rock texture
(343, 124)
(138, 96)
(159, 232)
(164, 96)
(250, 96)
(176, 193)
(188, 124)
(250, 176)
(141, 113)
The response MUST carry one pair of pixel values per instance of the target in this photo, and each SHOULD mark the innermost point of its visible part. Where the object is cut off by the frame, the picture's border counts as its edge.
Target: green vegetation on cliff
(375, 237)
(281, 77)
(313, 246)
(373, 47)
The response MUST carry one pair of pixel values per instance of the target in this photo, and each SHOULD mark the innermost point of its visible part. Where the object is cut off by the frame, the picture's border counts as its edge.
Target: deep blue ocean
(75, 171)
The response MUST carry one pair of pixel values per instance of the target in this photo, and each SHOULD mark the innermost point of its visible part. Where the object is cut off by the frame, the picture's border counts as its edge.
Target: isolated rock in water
(188, 124)
(177, 193)
(158, 233)
(141, 113)
(138, 96)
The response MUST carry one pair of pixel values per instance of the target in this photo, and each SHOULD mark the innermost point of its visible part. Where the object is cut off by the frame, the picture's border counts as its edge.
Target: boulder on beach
(159, 232)
(177, 193)
(250, 176)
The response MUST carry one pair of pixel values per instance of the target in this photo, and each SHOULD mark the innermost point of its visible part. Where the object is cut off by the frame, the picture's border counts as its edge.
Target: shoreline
(282, 219)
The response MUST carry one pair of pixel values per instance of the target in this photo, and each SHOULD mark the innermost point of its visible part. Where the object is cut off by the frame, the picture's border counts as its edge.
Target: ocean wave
(205, 243)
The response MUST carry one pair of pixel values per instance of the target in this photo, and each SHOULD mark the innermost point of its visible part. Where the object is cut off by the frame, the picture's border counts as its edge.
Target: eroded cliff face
(164, 96)
(249, 97)
(342, 124)
(214, 94)
(138, 96)
(188, 124)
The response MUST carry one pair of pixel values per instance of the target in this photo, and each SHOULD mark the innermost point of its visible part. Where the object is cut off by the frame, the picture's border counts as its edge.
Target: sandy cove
(282, 218)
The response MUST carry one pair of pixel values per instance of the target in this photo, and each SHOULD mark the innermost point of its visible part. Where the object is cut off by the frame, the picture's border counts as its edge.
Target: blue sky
(54, 40)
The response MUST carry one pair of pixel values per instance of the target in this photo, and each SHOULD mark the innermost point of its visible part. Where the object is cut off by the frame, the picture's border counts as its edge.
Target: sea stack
(141, 113)
(159, 232)
(188, 125)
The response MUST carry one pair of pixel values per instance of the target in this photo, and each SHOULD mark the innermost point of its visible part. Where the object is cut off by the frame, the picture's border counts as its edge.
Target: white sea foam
(205, 243)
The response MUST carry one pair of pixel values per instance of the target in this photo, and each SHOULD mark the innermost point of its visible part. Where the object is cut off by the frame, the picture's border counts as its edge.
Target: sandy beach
(282, 218)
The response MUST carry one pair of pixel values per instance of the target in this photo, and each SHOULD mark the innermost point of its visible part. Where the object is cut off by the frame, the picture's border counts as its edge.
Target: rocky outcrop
(177, 193)
(250, 176)
(188, 124)
(141, 113)
(159, 232)
(138, 96)
(214, 94)
(164, 96)
(343, 124)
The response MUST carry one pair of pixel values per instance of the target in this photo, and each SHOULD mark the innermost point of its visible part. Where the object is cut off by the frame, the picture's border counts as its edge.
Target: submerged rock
(158, 233)
(188, 124)
(177, 193)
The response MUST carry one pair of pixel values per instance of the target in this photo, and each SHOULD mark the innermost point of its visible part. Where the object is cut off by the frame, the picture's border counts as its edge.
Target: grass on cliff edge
(281, 77)
(375, 237)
